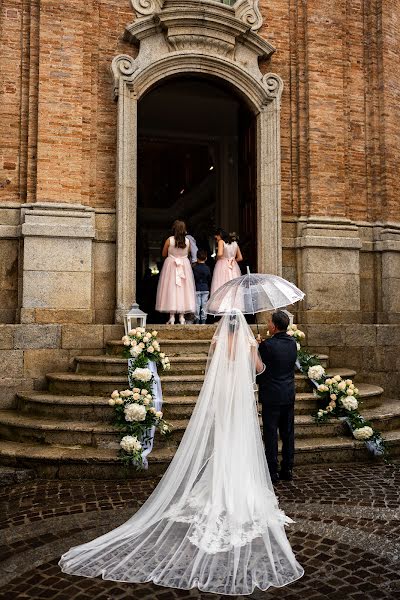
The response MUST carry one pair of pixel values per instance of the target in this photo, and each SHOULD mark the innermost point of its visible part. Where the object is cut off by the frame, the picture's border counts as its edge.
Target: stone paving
(346, 535)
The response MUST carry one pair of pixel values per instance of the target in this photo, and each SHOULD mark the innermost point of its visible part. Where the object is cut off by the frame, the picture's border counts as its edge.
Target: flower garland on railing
(337, 397)
(134, 411)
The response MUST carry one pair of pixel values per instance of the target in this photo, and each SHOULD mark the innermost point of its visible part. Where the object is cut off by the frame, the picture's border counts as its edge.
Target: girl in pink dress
(176, 289)
(228, 256)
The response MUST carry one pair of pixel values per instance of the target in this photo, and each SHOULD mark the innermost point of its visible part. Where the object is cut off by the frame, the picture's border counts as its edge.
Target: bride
(213, 522)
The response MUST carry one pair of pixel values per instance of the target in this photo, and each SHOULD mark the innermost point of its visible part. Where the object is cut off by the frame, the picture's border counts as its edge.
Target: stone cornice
(245, 10)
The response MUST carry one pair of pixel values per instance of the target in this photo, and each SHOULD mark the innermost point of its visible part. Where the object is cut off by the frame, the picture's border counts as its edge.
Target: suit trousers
(278, 418)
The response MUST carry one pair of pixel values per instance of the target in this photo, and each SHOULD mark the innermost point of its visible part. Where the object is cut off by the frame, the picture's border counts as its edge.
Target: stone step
(181, 347)
(173, 385)
(112, 365)
(170, 347)
(54, 462)
(195, 332)
(194, 364)
(21, 427)
(95, 408)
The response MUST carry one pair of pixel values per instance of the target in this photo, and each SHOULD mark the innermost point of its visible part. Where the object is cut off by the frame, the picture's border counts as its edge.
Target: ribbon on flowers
(180, 271)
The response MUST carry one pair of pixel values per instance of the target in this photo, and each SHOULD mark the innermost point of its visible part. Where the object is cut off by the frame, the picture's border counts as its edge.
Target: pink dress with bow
(226, 267)
(176, 288)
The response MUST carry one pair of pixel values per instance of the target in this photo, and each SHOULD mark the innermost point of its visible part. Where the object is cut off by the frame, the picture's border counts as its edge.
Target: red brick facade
(340, 132)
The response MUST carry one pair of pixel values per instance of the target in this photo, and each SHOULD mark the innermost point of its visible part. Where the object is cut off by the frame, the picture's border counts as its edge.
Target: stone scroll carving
(274, 86)
(144, 8)
(124, 65)
(245, 10)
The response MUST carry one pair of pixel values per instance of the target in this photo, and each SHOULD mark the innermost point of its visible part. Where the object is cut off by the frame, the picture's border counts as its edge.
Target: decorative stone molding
(201, 38)
(245, 10)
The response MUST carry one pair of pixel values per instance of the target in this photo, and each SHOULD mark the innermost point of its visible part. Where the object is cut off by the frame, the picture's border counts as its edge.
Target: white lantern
(134, 318)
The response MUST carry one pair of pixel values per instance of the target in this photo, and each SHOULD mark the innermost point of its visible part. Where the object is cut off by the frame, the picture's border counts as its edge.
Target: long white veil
(213, 522)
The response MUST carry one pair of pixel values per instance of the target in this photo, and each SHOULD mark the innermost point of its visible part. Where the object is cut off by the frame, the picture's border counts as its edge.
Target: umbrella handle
(258, 331)
(248, 270)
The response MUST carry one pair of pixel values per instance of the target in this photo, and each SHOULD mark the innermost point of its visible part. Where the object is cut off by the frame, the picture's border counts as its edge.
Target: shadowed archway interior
(196, 161)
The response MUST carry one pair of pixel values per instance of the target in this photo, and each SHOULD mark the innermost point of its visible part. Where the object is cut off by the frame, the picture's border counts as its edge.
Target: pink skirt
(225, 270)
(176, 288)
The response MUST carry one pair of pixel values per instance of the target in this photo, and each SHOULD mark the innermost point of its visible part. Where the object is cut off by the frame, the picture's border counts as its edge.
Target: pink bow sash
(230, 262)
(180, 271)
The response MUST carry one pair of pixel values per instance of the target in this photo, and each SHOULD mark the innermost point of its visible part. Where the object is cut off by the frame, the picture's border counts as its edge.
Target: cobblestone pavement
(346, 535)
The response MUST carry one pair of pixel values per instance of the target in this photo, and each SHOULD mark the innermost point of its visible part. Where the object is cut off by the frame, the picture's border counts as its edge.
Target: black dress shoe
(286, 475)
(274, 477)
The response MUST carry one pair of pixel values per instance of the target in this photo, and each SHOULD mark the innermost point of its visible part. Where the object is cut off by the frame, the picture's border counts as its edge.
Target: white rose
(130, 443)
(136, 390)
(321, 388)
(144, 392)
(134, 351)
(290, 332)
(363, 433)
(333, 397)
(135, 412)
(152, 410)
(141, 345)
(119, 401)
(356, 390)
(159, 414)
(142, 374)
(150, 349)
(126, 340)
(348, 382)
(341, 386)
(132, 332)
(329, 408)
(126, 393)
(302, 334)
(136, 396)
(133, 343)
(111, 402)
(162, 355)
(350, 392)
(294, 327)
(337, 378)
(146, 401)
(156, 345)
(316, 372)
(154, 333)
(149, 397)
(115, 394)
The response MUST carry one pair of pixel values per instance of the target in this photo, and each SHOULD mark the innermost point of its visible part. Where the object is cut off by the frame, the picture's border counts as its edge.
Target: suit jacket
(276, 383)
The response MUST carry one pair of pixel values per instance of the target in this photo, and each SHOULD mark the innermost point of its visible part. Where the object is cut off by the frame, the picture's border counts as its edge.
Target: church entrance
(196, 161)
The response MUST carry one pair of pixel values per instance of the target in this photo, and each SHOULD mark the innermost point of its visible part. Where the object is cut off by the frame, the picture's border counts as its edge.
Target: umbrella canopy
(253, 293)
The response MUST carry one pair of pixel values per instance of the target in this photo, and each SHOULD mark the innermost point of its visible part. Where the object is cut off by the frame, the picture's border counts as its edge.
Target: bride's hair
(179, 233)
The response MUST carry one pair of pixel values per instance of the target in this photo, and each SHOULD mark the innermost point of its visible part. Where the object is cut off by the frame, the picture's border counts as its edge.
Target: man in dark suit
(277, 395)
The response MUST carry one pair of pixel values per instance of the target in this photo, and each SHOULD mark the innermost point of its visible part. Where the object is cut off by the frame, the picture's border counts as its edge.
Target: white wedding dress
(213, 522)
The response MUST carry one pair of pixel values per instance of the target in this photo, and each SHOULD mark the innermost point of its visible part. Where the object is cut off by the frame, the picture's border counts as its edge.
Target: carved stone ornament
(245, 10)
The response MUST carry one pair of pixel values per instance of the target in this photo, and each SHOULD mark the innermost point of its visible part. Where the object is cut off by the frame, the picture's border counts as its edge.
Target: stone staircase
(66, 431)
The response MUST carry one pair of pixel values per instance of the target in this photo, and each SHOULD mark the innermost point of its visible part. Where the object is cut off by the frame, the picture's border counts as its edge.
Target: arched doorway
(196, 159)
(220, 43)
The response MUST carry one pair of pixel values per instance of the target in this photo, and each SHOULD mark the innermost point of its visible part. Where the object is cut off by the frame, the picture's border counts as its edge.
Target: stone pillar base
(329, 272)
(57, 278)
(389, 246)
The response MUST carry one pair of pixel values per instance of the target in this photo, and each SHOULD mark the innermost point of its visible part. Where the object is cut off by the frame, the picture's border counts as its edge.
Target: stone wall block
(360, 335)
(325, 335)
(326, 291)
(388, 335)
(39, 362)
(11, 362)
(330, 260)
(82, 336)
(58, 290)
(113, 332)
(6, 337)
(37, 336)
(57, 254)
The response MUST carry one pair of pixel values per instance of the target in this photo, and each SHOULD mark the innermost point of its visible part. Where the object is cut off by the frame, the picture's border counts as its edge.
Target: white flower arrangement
(130, 443)
(316, 372)
(134, 412)
(363, 433)
(142, 374)
(339, 398)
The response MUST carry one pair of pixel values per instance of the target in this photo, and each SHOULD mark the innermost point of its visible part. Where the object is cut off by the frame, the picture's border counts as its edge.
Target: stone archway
(177, 37)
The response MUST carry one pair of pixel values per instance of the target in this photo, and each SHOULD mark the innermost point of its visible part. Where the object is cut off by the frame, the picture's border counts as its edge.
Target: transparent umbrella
(253, 293)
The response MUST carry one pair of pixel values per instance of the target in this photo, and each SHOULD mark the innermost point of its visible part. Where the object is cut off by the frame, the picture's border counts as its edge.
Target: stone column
(329, 271)
(126, 202)
(269, 223)
(57, 263)
(389, 246)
